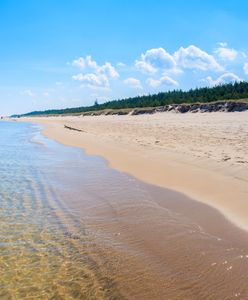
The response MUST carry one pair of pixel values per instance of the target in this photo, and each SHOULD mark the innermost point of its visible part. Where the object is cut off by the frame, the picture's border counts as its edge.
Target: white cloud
(133, 82)
(92, 80)
(226, 53)
(145, 67)
(164, 80)
(154, 59)
(28, 93)
(84, 62)
(154, 83)
(166, 66)
(98, 75)
(246, 68)
(193, 57)
(224, 78)
(87, 62)
(108, 70)
(80, 62)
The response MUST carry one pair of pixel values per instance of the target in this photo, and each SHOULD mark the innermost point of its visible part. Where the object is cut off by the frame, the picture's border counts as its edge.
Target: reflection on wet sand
(163, 245)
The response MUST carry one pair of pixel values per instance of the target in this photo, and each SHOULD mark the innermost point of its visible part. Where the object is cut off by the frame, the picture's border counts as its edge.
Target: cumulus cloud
(80, 62)
(98, 76)
(246, 68)
(190, 57)
(226, 53)
(92, 80)
(108, 70)
(224, 78)
(84, 62)
(88, 62)
(164, 80)
(193, 57)
(154, 59)
(144, 67)
(133, 82)
(166, 66)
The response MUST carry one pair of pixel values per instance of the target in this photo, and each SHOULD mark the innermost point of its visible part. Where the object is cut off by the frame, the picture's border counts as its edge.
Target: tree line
(231, 91)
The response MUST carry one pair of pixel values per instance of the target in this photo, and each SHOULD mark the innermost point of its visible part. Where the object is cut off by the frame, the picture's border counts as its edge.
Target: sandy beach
(124, 150)
(204, 156)
(153, 233)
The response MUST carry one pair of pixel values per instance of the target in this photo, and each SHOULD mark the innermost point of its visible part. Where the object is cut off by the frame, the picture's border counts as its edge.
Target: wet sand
(163, 245)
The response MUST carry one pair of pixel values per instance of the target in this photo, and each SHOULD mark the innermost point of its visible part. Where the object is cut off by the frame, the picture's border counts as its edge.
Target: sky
(61, 53)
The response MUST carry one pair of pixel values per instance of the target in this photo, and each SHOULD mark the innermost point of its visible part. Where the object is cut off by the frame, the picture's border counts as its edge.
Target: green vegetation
(235, 91)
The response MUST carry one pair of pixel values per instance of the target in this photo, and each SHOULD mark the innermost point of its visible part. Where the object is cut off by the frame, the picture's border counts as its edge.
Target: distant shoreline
(198, 107)
(225, 97)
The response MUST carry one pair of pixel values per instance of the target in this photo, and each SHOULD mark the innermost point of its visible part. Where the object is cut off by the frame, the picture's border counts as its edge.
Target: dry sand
(203, 155)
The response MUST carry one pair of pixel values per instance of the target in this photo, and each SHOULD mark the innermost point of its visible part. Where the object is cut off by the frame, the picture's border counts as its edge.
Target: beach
(202, 155)
(124, 150)
(137, 225)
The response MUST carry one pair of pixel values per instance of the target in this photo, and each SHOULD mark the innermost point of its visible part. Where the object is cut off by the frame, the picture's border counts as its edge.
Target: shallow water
(40, 255)
(72, 228)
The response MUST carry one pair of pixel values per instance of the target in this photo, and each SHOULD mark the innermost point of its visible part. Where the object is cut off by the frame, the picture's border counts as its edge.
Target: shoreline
(171, 233)
(145, 235)
(222, 185)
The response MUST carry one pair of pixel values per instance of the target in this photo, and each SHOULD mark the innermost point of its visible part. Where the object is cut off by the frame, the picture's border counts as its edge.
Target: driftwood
(72, 128)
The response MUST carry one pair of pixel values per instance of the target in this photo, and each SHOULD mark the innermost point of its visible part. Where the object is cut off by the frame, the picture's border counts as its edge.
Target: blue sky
(56, 54)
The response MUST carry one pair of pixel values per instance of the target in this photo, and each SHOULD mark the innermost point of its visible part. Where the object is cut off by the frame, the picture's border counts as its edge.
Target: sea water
(41, 257)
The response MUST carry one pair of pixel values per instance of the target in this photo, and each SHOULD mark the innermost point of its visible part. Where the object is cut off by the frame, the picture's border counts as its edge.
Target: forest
(231, 91)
